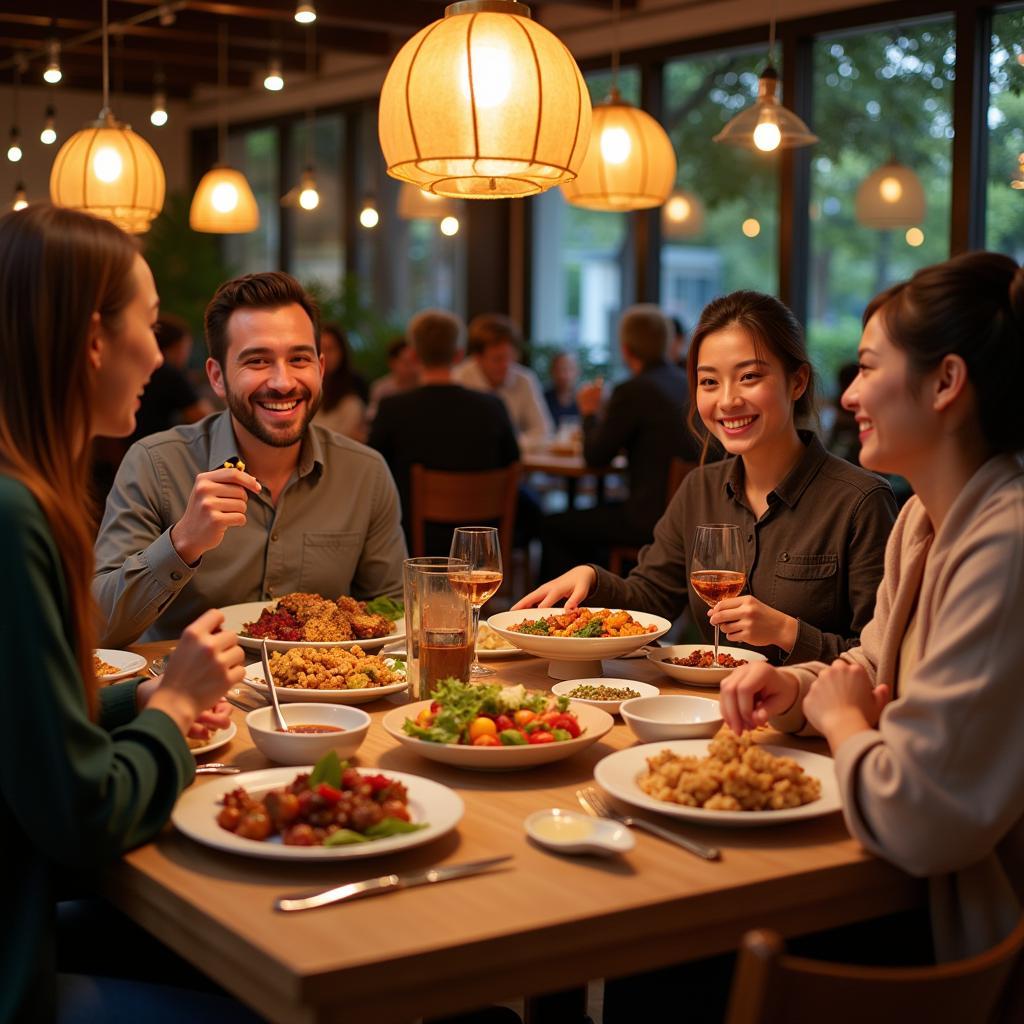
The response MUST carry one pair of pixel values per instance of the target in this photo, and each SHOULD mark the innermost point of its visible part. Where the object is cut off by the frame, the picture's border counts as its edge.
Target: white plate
(256, 678)
(237, 615)
(611, 706)
(218, 739)
(617, 774)
(501, 652)
(126, 663)
(196, 815)
(699, 676)
(594, 723)
(568, 648)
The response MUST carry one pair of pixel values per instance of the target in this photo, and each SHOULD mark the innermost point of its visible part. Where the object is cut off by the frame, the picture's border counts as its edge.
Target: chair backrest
(678, 469)
(771, 987)
(439, 496)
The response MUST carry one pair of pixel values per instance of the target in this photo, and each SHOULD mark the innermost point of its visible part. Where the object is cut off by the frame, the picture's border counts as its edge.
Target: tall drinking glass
(479, 546)
(438, 622)
(719, 568)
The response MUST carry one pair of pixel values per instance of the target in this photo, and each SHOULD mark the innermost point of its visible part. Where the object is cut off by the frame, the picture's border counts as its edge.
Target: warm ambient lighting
(484, 104)
(48, 136)
(915, 237)
(20, 199)
(368, 215)
(309, 195)
(14, 153)
(682, 216)
(108, 170)
(52, 75)
(890, 197)
(224, 203)
(305, 14)
(1018, 182)
(416, 204)
(274, 80)
(630, 163)
(751, 227)
(158, 117)
(449, 226)
(767, 125)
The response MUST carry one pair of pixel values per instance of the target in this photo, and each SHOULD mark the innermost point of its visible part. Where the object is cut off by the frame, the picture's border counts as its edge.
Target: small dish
(572, 832)
(671, 717)
(565, 688)
(709, 677)
(217, 739)
(308, 748)
(126, 663)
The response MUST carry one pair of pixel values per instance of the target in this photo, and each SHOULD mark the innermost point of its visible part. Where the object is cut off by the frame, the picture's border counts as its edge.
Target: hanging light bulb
(274, 80)
(309, 195)
(682, 216)
(890, 197)
(20, 199)
(767, 125)
(52, 75)
(223, 203)
(158, 117)
(484, 104)
(914, 237)
(751, 227)
(48, 136)
(305, 14)
(14, 152)
(368, 215)
(449, 226)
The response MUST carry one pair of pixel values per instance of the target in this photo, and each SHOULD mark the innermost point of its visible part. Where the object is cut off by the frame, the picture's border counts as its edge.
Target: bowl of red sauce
(313, 730)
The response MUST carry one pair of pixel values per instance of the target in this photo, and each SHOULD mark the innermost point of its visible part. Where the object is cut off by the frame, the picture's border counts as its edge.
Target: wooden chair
(620, 554)
(772, 987)
(462, 499)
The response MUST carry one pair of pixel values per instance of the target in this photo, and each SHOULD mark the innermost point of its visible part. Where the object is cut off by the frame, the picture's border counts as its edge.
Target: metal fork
(593, 802)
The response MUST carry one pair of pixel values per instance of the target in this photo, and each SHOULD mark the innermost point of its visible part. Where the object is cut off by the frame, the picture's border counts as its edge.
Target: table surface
(562, 462)
(546, 923)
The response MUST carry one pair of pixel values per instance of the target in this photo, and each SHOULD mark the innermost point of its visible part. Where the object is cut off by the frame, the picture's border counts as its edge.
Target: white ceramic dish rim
(611, 706)
(127, 663)
(714, 706)
(218, 739)
(256, 678)
(580, 845)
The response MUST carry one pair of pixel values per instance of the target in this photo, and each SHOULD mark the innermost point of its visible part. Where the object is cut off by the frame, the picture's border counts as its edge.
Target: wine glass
(719, 567)
(477, 545)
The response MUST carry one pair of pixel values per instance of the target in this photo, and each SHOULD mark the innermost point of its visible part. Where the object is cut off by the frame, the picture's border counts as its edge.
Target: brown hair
(57, 268)
(269, 290)
(170, 329)
(773, 328)
(489, 329)
(971, 306)
(340, 381)
(644, 331)
(435, 335)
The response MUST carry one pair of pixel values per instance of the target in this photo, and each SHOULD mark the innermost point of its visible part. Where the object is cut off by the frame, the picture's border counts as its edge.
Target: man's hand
(588, 398)
(218, 501)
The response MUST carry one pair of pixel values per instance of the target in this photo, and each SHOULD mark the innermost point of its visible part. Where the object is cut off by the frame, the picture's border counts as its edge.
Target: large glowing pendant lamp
(223, 203)
(484, 104)
(630, 163)
(107, 170)
(890, 197)
(682, 216)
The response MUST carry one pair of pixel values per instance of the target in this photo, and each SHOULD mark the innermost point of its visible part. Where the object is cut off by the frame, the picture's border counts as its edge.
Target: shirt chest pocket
(806, 586)
(329, 561)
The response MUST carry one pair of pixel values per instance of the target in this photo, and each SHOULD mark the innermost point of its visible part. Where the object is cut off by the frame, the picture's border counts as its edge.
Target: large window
(254, 153)
(720, 228)
(582, 260)
(1005, 213)
(879, 96)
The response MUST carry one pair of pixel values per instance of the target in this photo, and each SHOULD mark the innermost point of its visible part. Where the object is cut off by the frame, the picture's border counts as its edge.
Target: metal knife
(386, 883)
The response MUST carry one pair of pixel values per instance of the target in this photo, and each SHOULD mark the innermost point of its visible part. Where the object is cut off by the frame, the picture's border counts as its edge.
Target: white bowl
(594, 723)
(565, 688)
(699, 676)
(308, 748)
(671, 717)
(561, 649)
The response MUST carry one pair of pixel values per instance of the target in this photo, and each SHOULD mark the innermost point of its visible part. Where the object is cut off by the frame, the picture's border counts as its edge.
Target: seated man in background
(310, 510)
(645, 418)
(492, 366)
(403, 374)
(440, 425)
(561, 396)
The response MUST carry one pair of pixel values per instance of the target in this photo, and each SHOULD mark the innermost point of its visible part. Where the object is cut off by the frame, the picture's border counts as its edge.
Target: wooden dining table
(568, 464)
(546, 923)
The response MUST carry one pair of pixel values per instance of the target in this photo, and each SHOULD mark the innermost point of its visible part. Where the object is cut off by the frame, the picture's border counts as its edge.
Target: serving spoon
(282, 725)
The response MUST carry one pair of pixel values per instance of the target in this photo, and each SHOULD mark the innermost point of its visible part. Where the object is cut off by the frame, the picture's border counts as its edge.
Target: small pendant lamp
(890, 197)
(682, 216)
(108, 170)
(484, 104)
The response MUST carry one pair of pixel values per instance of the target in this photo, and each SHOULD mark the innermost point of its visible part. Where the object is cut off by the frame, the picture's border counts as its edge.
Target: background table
(548, 923)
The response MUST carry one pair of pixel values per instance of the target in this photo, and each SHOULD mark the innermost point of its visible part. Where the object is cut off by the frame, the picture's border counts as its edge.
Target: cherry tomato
(482, 727)
(425, 719)
(503, 722)
(524, 716)
(541, 737)
(327, 793)
(487, 739)
(567, 722)
(550, 717)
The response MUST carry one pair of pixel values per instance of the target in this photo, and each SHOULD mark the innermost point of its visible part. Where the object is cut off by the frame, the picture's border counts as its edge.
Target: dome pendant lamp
(767, 125)
(890, 197)
(484, 104)
(107, 170)
(223, 203)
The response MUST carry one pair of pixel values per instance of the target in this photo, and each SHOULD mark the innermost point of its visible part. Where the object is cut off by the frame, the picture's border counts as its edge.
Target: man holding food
(254, 502)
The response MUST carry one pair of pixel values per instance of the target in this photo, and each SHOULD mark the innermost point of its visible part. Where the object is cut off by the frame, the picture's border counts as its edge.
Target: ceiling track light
(305, 14)
(48, 136)
(274, 79)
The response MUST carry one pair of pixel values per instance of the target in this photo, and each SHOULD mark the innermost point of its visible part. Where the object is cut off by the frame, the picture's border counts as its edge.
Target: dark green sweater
(74, 794)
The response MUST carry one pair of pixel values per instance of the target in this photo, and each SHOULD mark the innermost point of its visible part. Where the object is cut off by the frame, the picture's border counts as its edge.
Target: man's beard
(244, 413)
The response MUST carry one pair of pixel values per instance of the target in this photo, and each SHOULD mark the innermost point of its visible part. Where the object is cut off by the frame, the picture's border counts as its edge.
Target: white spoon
(572, 832)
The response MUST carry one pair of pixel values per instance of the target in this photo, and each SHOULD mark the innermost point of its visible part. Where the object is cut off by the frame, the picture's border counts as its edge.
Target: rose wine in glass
(719, 569)
(479, 546)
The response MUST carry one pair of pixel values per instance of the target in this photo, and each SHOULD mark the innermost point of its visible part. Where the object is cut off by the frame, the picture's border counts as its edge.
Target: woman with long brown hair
(85, 773)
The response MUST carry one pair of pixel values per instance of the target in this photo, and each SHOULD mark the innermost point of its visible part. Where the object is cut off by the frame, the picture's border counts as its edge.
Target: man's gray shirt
(336, 529)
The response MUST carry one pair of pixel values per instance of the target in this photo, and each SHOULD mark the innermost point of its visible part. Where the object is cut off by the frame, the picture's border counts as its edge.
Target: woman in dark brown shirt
(814, 526)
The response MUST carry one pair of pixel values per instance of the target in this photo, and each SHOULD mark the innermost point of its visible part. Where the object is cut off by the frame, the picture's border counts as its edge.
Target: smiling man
(185, 529)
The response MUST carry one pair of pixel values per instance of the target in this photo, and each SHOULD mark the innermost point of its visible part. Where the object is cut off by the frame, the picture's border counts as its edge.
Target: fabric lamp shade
(224, 203)
(682, 216)
(630, 163)
(415, 204)
(890, 197)
(484, 104)
(108, 170)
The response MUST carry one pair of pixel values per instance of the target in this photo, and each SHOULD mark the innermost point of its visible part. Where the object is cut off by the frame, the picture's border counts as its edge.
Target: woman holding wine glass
(812, 527)
(480, 548)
